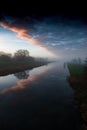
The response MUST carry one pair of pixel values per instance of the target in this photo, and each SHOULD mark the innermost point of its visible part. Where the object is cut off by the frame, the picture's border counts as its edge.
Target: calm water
(40, 99)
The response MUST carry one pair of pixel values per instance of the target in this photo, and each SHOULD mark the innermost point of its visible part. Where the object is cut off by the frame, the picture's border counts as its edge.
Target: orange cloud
(22, 33)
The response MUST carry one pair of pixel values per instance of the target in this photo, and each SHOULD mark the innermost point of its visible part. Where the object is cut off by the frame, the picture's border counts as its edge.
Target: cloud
(22, 33)
(48, 34)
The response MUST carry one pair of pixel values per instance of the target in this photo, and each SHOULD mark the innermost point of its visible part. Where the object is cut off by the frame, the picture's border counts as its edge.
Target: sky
(52, 37)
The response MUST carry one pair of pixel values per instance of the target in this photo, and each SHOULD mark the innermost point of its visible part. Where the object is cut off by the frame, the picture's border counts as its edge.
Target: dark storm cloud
(57, 34)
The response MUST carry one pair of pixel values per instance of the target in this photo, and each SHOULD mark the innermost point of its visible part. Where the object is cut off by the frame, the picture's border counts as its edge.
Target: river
(40, 98)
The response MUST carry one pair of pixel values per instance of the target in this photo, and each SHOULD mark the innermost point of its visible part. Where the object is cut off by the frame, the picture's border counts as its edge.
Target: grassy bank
(76, 69)
(14, 67)
(78, 81)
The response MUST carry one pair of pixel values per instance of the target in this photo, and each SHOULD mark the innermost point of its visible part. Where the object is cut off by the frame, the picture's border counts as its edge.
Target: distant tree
(5, 57)
(30, 59)
(2, 53)
(21, 54)
(6, 54)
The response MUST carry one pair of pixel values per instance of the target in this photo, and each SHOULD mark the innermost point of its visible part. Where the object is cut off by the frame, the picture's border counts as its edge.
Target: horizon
(51, 37)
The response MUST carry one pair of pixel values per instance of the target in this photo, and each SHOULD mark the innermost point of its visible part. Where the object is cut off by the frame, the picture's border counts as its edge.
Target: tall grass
(76, 69)
(78, 81)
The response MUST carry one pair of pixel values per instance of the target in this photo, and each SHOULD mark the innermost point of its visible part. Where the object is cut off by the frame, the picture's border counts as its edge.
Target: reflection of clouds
(22, 84)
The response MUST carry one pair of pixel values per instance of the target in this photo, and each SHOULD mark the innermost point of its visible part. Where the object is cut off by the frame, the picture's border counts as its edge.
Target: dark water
(38, 99)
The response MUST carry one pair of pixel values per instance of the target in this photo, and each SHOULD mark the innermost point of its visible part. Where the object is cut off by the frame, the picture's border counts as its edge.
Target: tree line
(19, 55)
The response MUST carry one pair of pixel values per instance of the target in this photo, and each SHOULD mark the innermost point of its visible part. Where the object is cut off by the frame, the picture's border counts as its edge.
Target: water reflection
(41, 101)
(22, 75)
(25, 78)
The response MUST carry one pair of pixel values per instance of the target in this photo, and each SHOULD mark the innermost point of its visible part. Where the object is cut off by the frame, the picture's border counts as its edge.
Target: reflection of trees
(22, 75)
(21, 54)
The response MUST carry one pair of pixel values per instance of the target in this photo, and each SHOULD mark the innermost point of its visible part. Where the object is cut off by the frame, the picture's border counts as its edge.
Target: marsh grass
(76, 69)
(78, 81)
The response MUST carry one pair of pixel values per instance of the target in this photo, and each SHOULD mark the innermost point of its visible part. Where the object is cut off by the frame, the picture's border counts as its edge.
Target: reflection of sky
(7, 81)
(60, 36)
(11, 83)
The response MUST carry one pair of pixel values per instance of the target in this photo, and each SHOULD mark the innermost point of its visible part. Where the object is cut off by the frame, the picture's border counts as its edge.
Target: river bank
(9, 68)
(78, 81)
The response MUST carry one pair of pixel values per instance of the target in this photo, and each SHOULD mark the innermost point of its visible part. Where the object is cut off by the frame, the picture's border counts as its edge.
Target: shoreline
(79, 86)
(15, 69)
